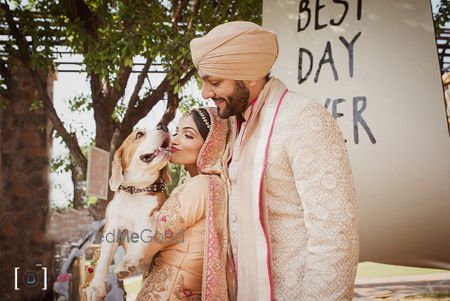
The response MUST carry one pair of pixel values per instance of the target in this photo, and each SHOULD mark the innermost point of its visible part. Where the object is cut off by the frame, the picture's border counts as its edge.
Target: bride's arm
(184, 208)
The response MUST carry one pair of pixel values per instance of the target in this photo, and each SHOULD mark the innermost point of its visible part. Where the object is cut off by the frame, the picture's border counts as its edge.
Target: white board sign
(374, 65)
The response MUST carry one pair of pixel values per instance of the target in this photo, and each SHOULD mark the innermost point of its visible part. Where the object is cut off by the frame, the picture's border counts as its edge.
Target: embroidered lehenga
(194, 219)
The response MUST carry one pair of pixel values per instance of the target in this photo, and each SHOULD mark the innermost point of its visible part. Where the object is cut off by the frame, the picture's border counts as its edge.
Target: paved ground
(417, 287)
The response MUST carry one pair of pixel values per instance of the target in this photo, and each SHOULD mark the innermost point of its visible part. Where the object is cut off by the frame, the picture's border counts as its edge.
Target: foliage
(177, 173)
(188, 102)
(442, 16)
(91, 200)
(80, 103)
(111, 36)
(60, 164)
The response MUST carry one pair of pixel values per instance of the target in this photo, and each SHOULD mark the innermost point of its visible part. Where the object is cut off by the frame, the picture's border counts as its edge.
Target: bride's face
(186, 142)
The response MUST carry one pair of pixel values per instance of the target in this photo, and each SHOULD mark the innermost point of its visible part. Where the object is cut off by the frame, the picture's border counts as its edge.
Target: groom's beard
(237, 102)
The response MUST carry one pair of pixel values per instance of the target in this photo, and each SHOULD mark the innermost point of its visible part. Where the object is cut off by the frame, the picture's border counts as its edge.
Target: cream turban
(236, 50)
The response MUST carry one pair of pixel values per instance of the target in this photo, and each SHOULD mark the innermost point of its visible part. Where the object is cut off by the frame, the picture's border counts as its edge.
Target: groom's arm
(323, 178)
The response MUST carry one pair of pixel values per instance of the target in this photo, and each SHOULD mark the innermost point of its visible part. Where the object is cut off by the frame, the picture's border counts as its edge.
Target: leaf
(109, 33)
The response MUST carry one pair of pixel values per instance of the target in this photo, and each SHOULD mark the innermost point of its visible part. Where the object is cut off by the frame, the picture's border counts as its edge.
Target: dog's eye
(139, 135)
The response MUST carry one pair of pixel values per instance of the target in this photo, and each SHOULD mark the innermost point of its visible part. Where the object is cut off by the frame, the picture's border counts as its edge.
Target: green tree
(442, 16)
(110, 35)
(441, 22)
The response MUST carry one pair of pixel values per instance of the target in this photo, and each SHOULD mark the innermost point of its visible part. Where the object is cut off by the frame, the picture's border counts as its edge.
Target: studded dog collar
(155, 187)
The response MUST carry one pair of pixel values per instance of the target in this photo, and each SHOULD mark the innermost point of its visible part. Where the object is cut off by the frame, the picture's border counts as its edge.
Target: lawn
(365, 270)
(373, 270)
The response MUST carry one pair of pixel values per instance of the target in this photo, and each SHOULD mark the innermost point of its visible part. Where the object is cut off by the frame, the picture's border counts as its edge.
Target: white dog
(139, 170)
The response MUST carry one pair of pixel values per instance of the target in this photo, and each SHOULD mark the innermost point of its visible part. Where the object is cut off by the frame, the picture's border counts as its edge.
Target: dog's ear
(116, 170)
(165, 175)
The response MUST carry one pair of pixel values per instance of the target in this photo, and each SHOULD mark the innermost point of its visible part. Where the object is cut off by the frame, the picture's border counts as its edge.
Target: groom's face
(230, 96)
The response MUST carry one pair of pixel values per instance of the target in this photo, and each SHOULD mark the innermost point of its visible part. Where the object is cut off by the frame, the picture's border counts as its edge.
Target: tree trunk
(79, 189)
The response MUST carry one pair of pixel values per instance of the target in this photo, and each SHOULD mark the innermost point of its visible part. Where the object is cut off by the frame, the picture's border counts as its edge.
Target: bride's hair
(202, 121)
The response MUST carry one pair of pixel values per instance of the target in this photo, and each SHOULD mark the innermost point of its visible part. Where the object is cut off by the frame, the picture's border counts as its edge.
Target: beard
(237, 102)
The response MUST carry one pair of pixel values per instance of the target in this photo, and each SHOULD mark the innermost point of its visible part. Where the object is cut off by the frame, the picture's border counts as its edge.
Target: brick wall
(24, 190)
(69, 226)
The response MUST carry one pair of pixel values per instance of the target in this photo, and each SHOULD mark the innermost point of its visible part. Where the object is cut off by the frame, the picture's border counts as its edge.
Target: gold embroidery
(170, 224)
(216, 244)
(183, 293)
(157, 281)
(314, 241)
(89, 276)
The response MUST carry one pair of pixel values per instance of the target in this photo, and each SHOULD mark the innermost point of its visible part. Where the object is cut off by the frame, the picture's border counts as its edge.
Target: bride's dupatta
(212, 160)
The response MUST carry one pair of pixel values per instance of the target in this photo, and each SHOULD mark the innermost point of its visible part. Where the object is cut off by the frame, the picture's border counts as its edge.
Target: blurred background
(76, 74)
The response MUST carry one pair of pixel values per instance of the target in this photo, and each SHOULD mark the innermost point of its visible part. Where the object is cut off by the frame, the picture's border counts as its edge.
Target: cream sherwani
(293, 225)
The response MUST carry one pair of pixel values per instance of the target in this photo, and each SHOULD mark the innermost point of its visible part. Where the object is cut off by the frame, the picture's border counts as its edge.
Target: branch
(118, 91)
(77, 9)
(173, 100)
(69, 138)
(115, 93)
(151, 100)
(194, 11)
(187, 77)
(177, 14)
(133, 115)
(124, 75)
(96, 89)
(233, 8)
(140, 81)
(41, 85)
(22, 43)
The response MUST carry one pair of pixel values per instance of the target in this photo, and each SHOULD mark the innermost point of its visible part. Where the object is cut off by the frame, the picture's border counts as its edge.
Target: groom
(292, 215)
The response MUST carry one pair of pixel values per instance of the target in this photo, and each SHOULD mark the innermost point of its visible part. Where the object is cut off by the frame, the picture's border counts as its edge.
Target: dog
(138, 176)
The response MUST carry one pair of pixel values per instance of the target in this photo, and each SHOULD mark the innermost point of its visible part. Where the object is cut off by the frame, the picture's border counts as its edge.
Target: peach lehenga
(193, 261)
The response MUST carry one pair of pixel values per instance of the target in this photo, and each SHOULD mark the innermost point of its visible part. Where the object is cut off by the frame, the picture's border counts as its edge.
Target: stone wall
(24, 190)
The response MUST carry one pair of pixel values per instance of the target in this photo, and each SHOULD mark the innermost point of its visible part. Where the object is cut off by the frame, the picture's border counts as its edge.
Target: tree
(111, 34)
(441, 20)
(442, 16)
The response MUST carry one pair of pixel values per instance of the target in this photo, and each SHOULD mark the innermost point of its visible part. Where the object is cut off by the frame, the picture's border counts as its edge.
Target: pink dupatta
(211, 161)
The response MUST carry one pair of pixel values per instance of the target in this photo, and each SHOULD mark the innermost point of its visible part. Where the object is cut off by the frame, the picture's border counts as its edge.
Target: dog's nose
(162, 127)
(146, 157)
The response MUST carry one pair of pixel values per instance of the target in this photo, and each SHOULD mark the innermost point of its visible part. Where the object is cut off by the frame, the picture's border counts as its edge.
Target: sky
(69, 85)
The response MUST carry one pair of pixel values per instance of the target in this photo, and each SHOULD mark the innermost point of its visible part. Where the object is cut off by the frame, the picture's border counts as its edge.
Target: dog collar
(155, 187)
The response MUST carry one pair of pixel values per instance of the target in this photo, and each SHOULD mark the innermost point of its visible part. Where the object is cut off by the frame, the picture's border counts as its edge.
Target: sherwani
(293, 237)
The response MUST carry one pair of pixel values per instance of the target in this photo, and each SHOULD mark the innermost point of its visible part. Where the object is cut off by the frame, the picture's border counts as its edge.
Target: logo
(30, 278)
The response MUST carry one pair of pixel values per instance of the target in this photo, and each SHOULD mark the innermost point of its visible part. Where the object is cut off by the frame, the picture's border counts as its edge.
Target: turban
(236, 50)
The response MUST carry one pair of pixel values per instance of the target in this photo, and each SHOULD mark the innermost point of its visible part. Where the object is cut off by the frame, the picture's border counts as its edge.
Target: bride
(190, 249)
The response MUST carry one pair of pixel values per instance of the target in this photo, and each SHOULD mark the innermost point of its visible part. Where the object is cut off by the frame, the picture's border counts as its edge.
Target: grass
(132, 286)
(365, 270)
(374, 270)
